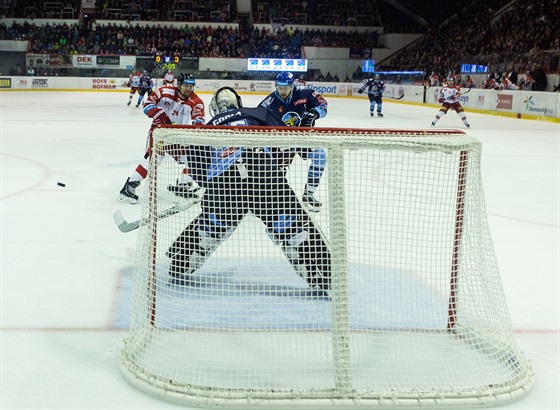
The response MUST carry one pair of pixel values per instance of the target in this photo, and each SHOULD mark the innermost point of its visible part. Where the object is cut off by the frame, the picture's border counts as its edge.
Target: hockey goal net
(389, 296)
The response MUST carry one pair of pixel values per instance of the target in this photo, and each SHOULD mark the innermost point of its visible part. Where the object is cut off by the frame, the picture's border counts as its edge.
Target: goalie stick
(125, 226)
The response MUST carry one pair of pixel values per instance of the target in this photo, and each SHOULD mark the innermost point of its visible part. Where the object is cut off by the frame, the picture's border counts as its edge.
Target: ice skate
(128, 103)
(312, 203)
(379, 114)
(128, 193)
(371, 113)
(433, 123)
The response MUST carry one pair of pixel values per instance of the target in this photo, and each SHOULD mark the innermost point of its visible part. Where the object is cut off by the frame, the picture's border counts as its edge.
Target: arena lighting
(277, 64)
(401, 72)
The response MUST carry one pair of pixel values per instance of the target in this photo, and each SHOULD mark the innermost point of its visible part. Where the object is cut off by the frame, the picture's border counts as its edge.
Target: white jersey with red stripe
(184, 112)
(449, 94)
(134, 80)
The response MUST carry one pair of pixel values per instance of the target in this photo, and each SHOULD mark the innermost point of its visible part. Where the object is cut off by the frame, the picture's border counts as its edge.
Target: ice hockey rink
(62, 257)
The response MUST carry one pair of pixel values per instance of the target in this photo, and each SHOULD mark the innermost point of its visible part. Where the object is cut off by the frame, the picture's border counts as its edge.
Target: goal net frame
(138, 352)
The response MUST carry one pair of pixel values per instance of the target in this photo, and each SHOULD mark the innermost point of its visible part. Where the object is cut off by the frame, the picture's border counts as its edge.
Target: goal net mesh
(405, 308)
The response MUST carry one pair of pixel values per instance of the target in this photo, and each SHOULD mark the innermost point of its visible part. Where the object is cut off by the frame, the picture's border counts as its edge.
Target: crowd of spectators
(520, 35)
(484, 33)
(237, 41)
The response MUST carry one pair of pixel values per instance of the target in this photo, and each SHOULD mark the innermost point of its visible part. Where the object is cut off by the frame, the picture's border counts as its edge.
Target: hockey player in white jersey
(168, 105)
(449, 98)
(134, 84)
(169, 79)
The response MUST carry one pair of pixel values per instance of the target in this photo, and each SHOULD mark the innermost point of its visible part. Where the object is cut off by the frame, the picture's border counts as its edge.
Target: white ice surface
(62, 257)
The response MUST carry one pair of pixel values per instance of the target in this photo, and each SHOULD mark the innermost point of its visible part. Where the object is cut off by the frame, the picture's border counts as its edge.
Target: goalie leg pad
(307, 252)
(193, 247)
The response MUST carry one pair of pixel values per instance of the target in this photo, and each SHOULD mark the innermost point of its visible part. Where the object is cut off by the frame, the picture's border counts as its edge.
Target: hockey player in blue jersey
(238, 181)
(375, 88)
(300, 106)
(146, 87)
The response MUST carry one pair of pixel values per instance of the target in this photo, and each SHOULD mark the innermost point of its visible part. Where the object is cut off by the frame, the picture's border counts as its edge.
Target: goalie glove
(308, 118)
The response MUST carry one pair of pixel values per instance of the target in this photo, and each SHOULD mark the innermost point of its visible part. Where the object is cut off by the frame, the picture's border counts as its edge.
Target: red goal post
(414, 314)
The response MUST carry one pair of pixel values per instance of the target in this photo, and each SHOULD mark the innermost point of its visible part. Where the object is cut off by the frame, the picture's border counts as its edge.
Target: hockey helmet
(224, 99)
(450, 79)
(284, 84)
(285, 78)
(377, 77)
(185, 78)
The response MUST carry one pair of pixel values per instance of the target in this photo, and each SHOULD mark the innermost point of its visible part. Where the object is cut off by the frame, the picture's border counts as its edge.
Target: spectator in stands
(526, 84)
(540, 81)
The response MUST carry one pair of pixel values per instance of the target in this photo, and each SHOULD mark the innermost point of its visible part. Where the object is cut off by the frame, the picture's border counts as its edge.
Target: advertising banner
(5, 82)
(108, 60)
(83, 60)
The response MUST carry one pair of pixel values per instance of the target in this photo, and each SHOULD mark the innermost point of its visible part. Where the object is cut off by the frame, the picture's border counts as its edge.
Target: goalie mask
(226, 98)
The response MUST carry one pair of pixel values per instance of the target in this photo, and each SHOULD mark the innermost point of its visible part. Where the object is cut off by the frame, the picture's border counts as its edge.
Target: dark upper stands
(484, 32)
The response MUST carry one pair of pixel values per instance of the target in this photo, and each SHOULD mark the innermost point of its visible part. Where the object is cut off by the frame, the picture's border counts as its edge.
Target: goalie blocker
(258, 185)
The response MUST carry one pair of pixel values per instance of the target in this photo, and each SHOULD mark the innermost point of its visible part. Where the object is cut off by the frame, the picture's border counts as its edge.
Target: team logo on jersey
(291, 119)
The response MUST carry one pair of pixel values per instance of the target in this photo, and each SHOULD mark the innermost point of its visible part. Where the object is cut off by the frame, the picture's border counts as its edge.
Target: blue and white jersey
(301, 100)
(206, 163)
(146, 83)
(374, 88)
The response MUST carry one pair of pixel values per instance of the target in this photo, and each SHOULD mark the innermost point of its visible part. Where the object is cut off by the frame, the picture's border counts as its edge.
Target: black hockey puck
(61, 184)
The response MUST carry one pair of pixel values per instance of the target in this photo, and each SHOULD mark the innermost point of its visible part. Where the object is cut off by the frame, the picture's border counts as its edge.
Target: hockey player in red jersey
(168, 105)
(169, 78)
(134, 84)
(449, 98)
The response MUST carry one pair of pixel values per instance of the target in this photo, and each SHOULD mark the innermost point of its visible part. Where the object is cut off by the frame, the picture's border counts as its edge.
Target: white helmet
(226, 98)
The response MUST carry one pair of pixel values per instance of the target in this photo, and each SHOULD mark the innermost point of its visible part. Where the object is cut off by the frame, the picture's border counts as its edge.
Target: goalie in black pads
(238, 181)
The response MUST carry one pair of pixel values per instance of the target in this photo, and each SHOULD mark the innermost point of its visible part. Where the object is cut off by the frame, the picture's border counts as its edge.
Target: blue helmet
(285, 78)
(185, 78)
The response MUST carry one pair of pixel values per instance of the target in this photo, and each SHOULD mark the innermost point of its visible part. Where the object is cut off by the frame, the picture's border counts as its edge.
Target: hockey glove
(360, 91)
(308, 118)
(161, 119)
(441, 100)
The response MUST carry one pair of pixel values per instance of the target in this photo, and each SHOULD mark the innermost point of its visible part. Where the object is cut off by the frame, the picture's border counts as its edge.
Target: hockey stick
(398, 98)
(470, 88)
(125, 226)
(423, 91)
